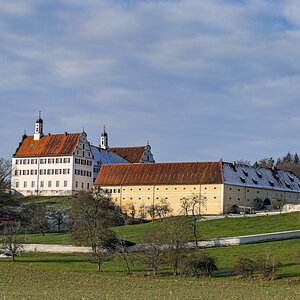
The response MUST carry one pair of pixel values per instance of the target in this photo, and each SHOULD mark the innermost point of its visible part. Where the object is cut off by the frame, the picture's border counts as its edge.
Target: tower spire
(104, 139)
(39, 123)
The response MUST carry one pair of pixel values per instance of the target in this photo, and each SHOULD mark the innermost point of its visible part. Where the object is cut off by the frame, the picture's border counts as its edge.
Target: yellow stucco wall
(244, 196)
(153, 194)
(218, 198)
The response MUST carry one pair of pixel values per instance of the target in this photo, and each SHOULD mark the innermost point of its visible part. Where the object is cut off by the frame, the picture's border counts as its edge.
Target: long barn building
(221, 185)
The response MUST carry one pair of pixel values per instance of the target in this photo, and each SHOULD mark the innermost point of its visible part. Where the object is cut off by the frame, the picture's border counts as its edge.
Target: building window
(57, 183)
(140, 198)
(175, 189)
(148, 198)
(157, 189)
(77, 161)
(131, 189)
(65, 183)
(205, 198)
(124, 190)
(230, 189)
(131, 198)
(76, 184)
(297, 197)
(239, 190)
(166, 198)
(34, 161)
(205, 188)
(25, 184)
(215, 188)
(49, 183)
(82, 185)
(184, 188)
(17, 184)
(51, 161)
(149, 189)
(195, 188)
(290, 196)
(140, 189)
(215, 197)
(229, 198)
(83, 162)
(239, 199)
(43, 161)
(123, 198)
(248, 191)
(157, 198)
(167, 189)
(32, 184)
(42, 184)
(116, 199)
(257, 192)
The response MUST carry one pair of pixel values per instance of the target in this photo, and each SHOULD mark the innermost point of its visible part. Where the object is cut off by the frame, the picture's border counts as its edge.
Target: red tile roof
(49, 145)
(132, 154)
(161, 173)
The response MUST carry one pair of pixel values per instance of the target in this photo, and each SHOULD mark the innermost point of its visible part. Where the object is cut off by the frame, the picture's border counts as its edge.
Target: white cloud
(158, 68)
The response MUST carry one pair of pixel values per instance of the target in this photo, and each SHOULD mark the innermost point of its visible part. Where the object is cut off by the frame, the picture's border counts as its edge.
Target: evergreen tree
(278, 161)
(255, 165)
(296, 158)
(288, 157)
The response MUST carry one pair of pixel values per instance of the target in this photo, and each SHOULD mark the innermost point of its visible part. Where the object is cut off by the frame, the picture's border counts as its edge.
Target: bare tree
(5, 176)
(154, 252)
(93, 214)
(38, 220)
(279, 203)
(175, 232)
(185, 205)
(142, 211)
(163, 209)
(104, 244)
(127, 257)
(12, 239)
(151, 210)
(193, 204)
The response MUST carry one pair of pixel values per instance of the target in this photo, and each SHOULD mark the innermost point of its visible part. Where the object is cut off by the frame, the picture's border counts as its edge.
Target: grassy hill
(70, 276)
(226, 227)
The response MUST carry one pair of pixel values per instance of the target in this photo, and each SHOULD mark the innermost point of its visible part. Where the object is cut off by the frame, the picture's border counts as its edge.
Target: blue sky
(202, 80)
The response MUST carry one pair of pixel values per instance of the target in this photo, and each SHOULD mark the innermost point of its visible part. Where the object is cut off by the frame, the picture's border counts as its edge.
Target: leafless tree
(93, 214)
(154, 253)
(128, 258)
(193, 204)
(12, 239)
(38, 220)
(142, 211)
(163, 209)
(279, 203)
(5, 176)
(151, 210)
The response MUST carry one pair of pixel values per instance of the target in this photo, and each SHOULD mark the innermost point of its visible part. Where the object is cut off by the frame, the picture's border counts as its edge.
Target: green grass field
(45, 200)
(207, 229)
(69, 276)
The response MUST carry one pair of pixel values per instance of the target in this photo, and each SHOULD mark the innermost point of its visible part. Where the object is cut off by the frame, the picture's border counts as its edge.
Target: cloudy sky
(201, 80)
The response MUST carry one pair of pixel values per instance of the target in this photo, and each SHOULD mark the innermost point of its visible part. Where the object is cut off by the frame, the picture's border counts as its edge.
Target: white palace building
(63, 164)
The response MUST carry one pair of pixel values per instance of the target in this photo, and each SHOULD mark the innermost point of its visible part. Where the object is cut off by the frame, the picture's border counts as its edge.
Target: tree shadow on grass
(225, 272)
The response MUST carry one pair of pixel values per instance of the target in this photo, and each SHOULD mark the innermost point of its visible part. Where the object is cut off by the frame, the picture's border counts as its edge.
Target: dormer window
(254, 180)
(271, 182)
(259, 174)
(288, 184)
(243, 179)
(245, 172)
(291, 178)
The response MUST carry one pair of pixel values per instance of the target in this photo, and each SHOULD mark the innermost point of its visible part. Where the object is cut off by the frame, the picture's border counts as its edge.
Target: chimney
(66, 133)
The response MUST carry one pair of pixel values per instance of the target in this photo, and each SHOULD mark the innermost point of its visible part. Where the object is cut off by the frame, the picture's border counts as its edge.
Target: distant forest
(289, 162)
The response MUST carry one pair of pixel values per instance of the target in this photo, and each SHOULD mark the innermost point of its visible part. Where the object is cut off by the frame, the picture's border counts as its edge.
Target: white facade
(57, 175)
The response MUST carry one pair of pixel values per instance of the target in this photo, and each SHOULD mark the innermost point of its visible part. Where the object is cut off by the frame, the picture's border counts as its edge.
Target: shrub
(200, 264)
(267, 265)
(245, 266)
